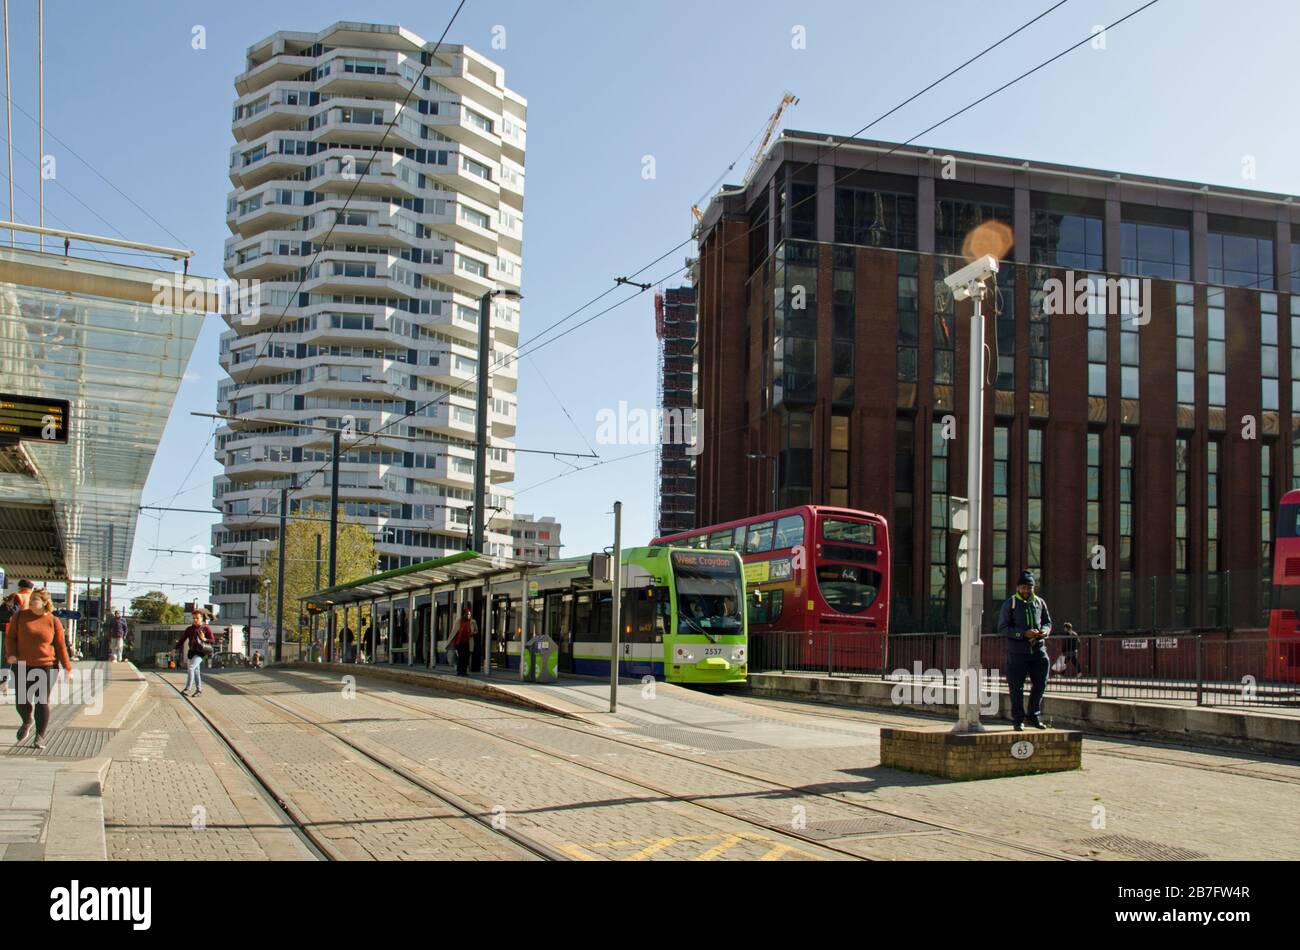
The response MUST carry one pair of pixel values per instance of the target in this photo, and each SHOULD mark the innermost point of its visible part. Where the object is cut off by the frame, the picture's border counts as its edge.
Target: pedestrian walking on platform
(463, 641)
(34, 646)
(1026, 623)
(1069, 651)
(116, 636)
(195, 643)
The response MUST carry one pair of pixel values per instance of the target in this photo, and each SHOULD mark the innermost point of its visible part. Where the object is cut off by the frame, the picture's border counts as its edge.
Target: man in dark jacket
(1026, 623)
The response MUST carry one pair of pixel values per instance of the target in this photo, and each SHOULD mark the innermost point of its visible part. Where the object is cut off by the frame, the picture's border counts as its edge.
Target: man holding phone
(1026, 623)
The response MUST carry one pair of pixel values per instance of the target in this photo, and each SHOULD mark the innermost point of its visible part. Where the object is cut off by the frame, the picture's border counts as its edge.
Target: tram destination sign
(33, 419)
(704, 563)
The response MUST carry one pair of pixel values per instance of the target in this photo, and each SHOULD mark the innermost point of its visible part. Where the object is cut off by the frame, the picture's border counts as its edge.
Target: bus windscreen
(846, 588)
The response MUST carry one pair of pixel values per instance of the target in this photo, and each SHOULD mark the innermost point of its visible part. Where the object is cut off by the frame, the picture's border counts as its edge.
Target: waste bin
(541, 660)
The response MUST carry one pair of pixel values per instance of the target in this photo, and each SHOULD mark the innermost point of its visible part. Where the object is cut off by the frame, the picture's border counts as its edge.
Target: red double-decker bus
(1284, 609)
(821, 570)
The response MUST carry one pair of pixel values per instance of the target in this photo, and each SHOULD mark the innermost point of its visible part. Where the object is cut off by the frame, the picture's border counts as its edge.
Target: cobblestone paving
(1157, 794)
(586, 814)
(171, 793)
(364, 811)
(1129, 802)
(1125, 802)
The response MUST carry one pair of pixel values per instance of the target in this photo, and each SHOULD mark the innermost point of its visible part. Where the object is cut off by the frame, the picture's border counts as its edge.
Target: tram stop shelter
(91, 358)
(405, 616)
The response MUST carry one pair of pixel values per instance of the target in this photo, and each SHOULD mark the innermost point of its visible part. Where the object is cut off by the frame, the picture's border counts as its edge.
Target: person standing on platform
(116, 636)
(1026, 623)
(195, 643)
(34, 646)
(463, 641)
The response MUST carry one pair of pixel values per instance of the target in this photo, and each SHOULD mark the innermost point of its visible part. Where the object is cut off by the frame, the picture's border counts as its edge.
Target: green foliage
(357, 558)
(154, 607)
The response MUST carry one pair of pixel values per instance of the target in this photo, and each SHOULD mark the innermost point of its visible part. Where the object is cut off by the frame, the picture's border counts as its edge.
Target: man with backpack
(1026, 623)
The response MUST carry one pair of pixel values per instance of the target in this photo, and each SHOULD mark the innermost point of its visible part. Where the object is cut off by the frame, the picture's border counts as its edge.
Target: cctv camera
(979, 271)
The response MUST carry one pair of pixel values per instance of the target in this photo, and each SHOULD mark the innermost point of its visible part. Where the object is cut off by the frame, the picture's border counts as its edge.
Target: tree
(154, 607)
(357, 558)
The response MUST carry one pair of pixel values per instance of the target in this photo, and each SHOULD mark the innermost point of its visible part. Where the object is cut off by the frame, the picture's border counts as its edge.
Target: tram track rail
(316, 845)
(304, 826)
(775, 785)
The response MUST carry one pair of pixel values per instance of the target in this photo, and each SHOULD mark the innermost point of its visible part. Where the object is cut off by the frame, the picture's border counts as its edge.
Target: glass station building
(99, 336)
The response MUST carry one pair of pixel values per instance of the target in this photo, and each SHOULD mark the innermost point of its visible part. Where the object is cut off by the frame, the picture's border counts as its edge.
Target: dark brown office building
(675, 328)
(1134, 464)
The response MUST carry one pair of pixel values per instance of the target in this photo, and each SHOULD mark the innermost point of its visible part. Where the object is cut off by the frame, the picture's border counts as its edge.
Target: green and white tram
(683, 615)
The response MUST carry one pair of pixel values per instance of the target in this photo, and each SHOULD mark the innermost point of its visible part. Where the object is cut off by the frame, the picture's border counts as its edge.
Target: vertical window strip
(1039, 337)
(1269, 362)
(1096, 296)
(908, 318)
(1126, 517)
(1093, 527)
(939, 523)
(1216, 347)
(1181, 473)
(1186, 344)
(1034, 523)
(1001, 509)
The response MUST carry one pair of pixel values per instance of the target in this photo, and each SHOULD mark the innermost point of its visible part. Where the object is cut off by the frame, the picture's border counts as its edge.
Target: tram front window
(708, 594)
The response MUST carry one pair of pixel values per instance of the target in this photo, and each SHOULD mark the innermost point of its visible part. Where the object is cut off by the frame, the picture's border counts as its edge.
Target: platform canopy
(467, 567)
(98, 335)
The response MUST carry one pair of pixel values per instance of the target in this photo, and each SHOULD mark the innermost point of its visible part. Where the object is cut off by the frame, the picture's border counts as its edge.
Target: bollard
(1200, 669)
(1100, 674)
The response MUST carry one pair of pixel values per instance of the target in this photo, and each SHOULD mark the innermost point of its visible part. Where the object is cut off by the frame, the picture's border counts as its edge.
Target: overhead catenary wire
(536, 343)
(524, 348)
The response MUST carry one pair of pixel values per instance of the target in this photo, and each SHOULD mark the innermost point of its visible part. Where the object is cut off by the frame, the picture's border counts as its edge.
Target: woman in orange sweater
(34, 641)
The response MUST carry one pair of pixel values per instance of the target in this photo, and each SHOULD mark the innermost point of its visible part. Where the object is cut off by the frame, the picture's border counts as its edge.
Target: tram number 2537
(713, 651)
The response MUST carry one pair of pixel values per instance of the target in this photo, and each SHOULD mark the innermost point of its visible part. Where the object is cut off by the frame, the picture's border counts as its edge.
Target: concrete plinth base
(937, 750)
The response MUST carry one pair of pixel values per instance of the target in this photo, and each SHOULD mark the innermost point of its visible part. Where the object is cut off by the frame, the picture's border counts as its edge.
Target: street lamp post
(969, 282)
(481, 409)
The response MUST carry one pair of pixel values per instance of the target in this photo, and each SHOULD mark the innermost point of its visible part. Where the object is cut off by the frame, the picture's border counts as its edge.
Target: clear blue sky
(1184, 90)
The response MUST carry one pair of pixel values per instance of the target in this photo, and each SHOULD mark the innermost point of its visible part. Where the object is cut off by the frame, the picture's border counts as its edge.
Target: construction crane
(787, 100)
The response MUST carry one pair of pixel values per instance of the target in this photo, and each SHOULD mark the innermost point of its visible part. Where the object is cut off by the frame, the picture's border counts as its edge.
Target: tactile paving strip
(68, 744)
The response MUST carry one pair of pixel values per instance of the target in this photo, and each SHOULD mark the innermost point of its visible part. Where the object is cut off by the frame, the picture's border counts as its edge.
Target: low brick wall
(937, 750)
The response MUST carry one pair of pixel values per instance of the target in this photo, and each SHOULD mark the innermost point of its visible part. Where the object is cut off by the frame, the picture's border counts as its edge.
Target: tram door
(442, 620)
(559, 627)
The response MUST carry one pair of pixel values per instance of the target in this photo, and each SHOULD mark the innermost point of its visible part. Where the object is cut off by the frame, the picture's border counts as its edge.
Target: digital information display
(33, 419)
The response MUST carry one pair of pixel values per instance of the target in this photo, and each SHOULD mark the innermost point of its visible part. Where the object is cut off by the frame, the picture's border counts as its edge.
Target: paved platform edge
(1255, 731)
(500, 689)
(75, 830)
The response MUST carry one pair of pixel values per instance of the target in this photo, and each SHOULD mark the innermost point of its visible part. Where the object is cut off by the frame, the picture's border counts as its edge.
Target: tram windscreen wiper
(700, 628)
